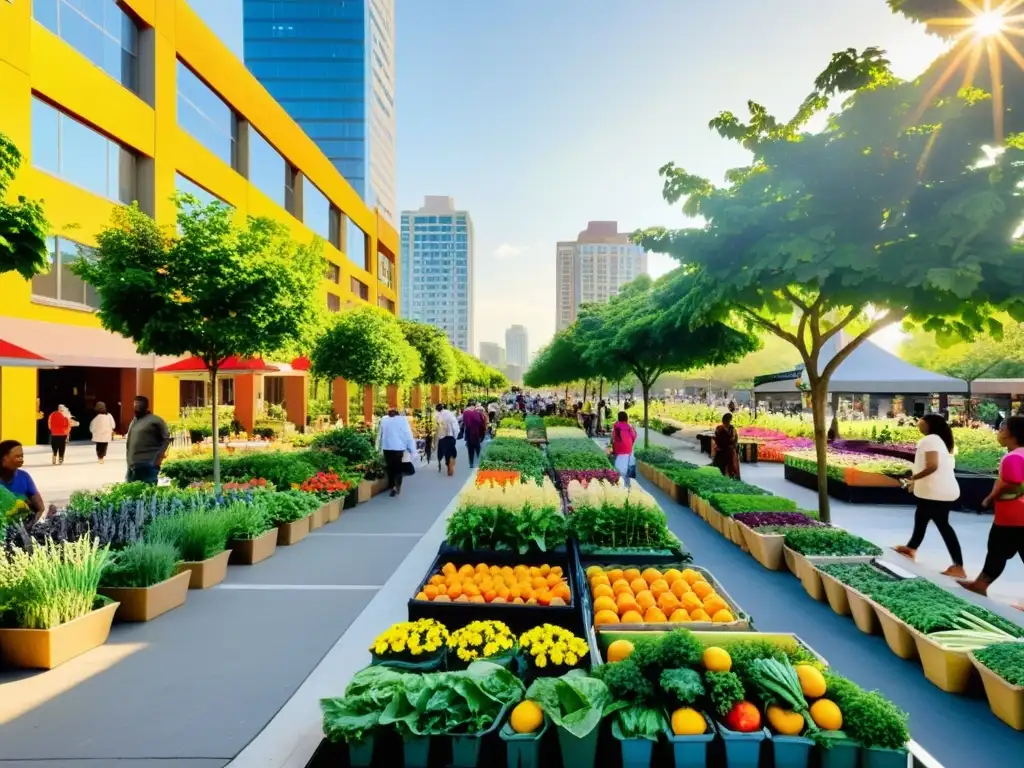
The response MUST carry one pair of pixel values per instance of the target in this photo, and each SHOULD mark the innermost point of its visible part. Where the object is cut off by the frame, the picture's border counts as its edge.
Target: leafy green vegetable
(575, 701)
(641, 723)
(864, 578)
(1005, 659)
(626, 682)
(831, 542)
(868, 717)
(730, 504)
(928, 608)
(671, 650)
(724, 690)
(684, 685)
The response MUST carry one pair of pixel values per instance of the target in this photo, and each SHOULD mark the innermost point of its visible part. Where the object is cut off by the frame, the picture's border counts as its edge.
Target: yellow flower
(541, 661)
(380, 648)
(571, 659)
(398, 646)
(490, 649)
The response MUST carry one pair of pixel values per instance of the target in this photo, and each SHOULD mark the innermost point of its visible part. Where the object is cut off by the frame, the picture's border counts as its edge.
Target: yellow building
(134, 106)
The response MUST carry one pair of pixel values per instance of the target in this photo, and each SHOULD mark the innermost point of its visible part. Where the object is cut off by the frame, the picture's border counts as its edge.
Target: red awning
(11, 355)
(301, 364)
(230, 365)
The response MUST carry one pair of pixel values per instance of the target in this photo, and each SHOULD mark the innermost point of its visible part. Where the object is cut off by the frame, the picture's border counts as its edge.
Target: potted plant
(50, 603)
(870, 720)
(252, 536)
(330, 490)
(524, 734)
(143, 580)
(290, 511)
(1002, 672)
(413, 646)
(811, 546)
(201, 538)
(576, 704)
(637, 729)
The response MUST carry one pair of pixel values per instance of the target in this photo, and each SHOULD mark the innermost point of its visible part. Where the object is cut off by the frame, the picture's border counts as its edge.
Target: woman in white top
(102, 430)
(395, 438)
(935, 487)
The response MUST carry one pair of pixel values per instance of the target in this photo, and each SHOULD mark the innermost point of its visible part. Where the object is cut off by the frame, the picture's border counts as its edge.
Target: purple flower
(566, 476)
(757, 519)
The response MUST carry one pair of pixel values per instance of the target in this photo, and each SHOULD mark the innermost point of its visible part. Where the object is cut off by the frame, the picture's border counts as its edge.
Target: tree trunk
(600, 388)
(216, 430)
(819, 400)
(969, 404)
(647, 438)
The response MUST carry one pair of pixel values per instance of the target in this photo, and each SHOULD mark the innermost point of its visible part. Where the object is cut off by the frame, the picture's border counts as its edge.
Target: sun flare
(989, 24)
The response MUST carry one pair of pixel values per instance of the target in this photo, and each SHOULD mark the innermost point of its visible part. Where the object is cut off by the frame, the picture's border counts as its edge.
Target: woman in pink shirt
(623, 438)
(1006, 538)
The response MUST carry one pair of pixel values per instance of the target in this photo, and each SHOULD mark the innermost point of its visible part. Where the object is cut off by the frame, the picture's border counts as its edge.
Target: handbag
(407, 466)
(631, 469)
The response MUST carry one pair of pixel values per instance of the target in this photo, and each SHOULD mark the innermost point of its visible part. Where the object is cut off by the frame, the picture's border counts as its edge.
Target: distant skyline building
(437, 268)
(593, 267)
(492, 354)
(331, 65)
(517, 346)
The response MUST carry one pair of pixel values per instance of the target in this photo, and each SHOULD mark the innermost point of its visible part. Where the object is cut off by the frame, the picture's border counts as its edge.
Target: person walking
(146, 441)
(935, 487)
(447, 432)
(60, 424)
(396, 439)
(474, 425)
(623, 440)
(102, 430)
(1006, 537)
(727, 448)
(18, 481)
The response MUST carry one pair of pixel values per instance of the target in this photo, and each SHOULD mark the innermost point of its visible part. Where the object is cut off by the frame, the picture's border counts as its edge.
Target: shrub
(196, 535)
(353, 445)
(141, 564)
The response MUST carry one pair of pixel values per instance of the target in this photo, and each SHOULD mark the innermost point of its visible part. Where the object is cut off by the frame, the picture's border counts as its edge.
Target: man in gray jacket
(148, 440)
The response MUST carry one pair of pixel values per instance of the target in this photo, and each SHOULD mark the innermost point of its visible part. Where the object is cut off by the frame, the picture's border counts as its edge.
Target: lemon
(688, 722)
(717, 659)
(619, 650)
(527, 717)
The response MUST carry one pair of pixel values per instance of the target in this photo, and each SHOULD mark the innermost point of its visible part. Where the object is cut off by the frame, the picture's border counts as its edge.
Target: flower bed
(515, 455)
(512, 517)
(608, 517)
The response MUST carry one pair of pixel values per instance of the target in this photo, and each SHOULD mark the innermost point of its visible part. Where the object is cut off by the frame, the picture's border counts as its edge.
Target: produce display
(513, 454)
(762, 520)
(509, 517)
(730, 504)
(632, 596)
(837, 462)
(610, 517)
(829, 542)
(521, 584)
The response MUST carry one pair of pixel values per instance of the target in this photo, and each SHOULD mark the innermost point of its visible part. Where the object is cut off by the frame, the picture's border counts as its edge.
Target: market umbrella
(13, 356)
(230, 365)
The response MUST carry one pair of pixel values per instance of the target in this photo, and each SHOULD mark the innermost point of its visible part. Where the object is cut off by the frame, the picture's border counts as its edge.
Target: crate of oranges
(523, 594)
(663, 597)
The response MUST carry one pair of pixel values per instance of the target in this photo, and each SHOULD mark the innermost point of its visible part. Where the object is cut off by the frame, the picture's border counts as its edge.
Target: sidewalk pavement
(887, 526)
(81, 470)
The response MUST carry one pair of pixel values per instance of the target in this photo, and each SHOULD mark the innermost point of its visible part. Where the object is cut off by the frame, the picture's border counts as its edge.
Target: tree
(640, 332)
(560, 363)
(886, 212)
(23, 225)
(211, 288)
(774, 355)
(436, 357)
(367, 346)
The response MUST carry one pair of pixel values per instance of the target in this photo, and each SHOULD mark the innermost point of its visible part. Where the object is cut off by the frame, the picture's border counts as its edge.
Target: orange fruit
(553, 579)
(466, 571)
(631, 617)
(423, 596)
(470, 589)
(722, 617)
(614, 574)
(482, 568)
(515, 591)
(599, 580)
(442, 599)
(477, 599)
(691, 602)
(437, 579)
(619, 650)
(534, 571)
(631, 573)
(702, 589)
(462, 599)
(638, 585)
(503, 593)
(699, 615)
(532, 601)
(558, 601)
(494, 570)
(651, 575)
(659, 587)
(621, 586)
(538, 582)
(544, 598)
(679, 588)
(672, 576)
(626, 602)
(454, 591)
(529, 594)
(545, 569)
(563, 591)
(448, 569)
(603, 590)
(430, 591)
(442, 589)
(668, 603)
(594, 569)
(690, 576)
(714, 603)
(654, 615)
(605, 604)
(489, 595)
(518, 601)
(645, 600)
(557, 570)
(679, 614)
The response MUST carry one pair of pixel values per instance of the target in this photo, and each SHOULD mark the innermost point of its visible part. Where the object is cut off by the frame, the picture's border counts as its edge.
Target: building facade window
(333, 302)
(65, 147)
(97, 29)
(386, 303)
(60, 283)
(355, 243)
(360, 289)
(273, 390)
(385, 270)
(316, 210)
(186, 186)
(268, 170)
(333, 273)
(205, 116)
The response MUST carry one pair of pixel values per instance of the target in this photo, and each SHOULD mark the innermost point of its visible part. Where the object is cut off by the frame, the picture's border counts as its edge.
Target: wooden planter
(898, 636)
(835, 591)
(332, 510)
(364, 491)
(950, 671)
(252, 551)
(48, 648)
(293, 532)
(379, 486)
(206, 573)
(766, 549)
(316, 520)
(789, 556)
(1004, 699)
(146, 603)
(810, 576)
(863, 611)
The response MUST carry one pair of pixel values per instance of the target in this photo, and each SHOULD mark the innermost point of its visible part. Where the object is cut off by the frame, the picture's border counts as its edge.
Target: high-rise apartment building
(517, 346)
(592, 268)
(331, 65)
(492, 354)
(437, 268)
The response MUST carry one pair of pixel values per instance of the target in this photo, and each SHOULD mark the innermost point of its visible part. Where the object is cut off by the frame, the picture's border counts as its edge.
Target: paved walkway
(194, 687)
(958, 731)
(887, 526)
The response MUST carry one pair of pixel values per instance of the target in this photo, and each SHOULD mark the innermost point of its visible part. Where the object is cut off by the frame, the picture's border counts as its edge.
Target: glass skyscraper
(331, 65)
(437, 269)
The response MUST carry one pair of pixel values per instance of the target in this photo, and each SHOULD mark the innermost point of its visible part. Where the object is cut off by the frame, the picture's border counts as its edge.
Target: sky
(538, 116)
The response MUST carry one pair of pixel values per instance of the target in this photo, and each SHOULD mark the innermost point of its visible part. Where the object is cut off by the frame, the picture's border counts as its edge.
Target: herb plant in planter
(49, 606)
(252, 536)
(1002, 673)
(142, 578)
(201, 540)
(608, 518)
(576, 704)
(512, 517)
(290, 511)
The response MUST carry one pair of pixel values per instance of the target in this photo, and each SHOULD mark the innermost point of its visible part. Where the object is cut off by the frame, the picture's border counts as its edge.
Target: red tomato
(743, 717)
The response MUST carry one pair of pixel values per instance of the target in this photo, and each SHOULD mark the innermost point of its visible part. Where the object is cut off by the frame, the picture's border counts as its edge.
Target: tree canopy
(366, 345)
(560, 362)
(986, 356)
(23, 225)
(892, 210)
(437, 359)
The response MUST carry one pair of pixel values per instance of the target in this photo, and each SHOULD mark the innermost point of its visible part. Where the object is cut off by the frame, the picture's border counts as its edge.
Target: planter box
(950, 671)
(863, 611)
(206, 573)
(48, 648)
(691, 751)
(294, 532)
(578, 753)
(791, 751)
(742, 750)
(844, 753)
(853, 494)
(835, 591)
(466, 748)
(360, 754)
(316, 520)
(379, 487)
(636, 753)
(252, 551)
(1004, 699)
(810, 576)
(789, 557)
(416, 753)
(898, 635)
(877, 757)
(364, 491)
(334, 508)
(766, 549)
(523, 750)
(146, 603)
